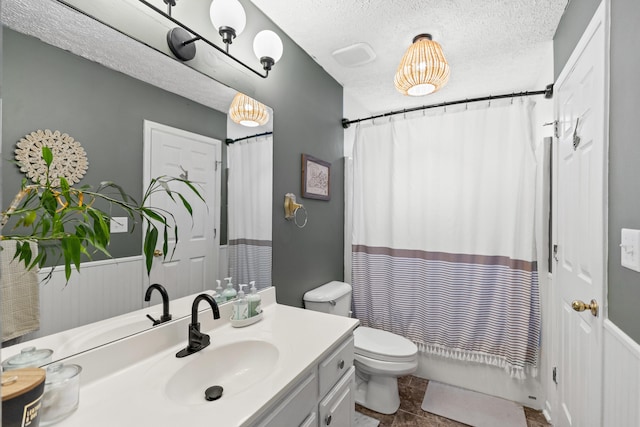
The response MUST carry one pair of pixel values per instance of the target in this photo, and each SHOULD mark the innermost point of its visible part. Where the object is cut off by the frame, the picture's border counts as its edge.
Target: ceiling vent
(354, 55)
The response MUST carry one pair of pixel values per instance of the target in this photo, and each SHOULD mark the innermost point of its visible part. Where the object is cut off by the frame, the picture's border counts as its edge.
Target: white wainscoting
(621, 387)
(101, 289)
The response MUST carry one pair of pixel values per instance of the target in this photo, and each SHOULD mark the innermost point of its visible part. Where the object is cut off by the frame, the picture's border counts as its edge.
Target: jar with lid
(61, 392)
(29, 357)
(21, 397)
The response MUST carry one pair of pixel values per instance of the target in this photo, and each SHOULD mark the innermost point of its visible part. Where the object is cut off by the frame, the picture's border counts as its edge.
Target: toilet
(380, 356)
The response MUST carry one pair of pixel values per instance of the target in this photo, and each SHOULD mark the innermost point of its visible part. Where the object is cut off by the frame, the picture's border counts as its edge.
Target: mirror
(98, 85)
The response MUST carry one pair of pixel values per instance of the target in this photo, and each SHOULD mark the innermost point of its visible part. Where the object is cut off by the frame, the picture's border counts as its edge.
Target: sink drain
(213, 393)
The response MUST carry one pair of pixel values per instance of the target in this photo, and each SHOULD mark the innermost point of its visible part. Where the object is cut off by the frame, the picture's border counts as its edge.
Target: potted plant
(64, 223)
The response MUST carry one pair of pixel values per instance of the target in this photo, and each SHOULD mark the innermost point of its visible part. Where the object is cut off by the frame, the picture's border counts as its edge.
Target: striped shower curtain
(250, 190)
(443, 248)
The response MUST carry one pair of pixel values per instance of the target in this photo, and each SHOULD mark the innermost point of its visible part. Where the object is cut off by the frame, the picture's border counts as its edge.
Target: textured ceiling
(67, 29)
(492, 46)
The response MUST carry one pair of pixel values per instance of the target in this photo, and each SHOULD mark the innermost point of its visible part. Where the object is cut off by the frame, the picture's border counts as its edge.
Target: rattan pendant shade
(247, 111)
(423, 68)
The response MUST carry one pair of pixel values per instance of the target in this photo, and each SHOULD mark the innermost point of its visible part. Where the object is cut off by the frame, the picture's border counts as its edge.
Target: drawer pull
(341, 364)
(327, 419)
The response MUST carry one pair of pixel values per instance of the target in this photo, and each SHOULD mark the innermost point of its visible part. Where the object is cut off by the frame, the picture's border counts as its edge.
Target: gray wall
(624, 149)
(573, 23)
(48, 88)
(307, 105)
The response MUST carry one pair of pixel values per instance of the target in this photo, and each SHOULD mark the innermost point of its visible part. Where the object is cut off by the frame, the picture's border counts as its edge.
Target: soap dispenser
(240, 308)
(254, 300)
(229, 293)
(218, 298)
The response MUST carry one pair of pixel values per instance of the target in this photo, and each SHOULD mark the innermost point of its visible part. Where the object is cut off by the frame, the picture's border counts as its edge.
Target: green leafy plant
(63, 222)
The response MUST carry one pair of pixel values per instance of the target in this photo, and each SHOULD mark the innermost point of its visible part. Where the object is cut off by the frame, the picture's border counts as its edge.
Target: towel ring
(295, 216)
(291, 208)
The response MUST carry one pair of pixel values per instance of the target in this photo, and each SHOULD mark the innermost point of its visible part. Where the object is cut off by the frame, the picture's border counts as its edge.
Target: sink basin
(236, 367)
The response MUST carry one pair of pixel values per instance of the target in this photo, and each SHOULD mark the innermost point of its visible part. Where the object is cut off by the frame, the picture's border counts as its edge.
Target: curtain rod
(231, 141)
(547, 92)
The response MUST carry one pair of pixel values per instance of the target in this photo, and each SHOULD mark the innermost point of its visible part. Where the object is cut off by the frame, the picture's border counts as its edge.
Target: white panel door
(174, 152)
(581, 114)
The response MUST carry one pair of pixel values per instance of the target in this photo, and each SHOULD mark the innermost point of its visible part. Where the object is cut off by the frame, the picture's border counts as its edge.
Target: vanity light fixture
(229, 19)
(247, 111)
(423, 68)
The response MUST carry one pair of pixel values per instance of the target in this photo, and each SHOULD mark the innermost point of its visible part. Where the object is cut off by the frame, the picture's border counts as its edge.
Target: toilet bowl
(380, 356)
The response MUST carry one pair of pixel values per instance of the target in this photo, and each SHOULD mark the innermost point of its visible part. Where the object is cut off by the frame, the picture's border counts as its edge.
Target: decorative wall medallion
(69, 158)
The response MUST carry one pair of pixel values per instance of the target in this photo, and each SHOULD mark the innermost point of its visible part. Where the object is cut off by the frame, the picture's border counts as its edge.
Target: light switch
(630, 249)
(119, 224)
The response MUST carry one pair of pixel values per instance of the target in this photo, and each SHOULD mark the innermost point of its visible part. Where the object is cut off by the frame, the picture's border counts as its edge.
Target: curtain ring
(295, 217)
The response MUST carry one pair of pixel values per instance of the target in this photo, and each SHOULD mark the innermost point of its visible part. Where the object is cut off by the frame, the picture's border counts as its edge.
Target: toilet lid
(383, 345)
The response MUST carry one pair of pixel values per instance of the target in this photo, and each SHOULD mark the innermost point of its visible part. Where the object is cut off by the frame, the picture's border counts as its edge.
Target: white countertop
(124, 382)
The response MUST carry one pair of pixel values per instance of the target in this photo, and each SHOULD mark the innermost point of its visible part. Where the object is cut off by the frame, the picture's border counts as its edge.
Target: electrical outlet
(630, 249)
(119, 224)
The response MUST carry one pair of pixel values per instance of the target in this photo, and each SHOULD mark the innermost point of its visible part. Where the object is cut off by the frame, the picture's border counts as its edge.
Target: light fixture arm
(182, 41)
(170, 4)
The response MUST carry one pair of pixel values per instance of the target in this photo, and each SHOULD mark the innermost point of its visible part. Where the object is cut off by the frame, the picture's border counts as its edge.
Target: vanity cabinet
(298, 407)
(325, 397)
(336, 409)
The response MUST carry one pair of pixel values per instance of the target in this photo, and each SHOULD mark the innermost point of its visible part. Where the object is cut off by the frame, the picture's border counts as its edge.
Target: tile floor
(410, 414)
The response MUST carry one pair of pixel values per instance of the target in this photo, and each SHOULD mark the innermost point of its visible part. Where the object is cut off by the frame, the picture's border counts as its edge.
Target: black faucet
(165, 303)
(198, 340)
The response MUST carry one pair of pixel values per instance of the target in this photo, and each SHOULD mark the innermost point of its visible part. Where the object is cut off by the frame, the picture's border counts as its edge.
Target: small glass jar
(61, 392)
(28, 357)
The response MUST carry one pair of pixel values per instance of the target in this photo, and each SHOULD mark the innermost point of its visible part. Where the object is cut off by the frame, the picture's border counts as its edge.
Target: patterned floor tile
(410, 414)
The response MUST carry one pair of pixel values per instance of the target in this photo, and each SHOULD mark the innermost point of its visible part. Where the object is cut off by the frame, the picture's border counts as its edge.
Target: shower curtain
(250, 178)
(443, 248)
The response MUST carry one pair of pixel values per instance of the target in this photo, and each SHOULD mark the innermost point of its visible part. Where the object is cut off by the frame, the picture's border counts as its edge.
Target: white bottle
(254, 300)
(240, 309)
(229, 293)
(219, 299)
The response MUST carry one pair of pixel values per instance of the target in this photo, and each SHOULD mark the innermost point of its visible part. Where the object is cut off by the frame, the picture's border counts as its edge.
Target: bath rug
(470, 407)
(361, 420)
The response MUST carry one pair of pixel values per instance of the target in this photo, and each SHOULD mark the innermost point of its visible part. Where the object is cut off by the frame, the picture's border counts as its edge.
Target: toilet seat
(383, 346)
(371, 366)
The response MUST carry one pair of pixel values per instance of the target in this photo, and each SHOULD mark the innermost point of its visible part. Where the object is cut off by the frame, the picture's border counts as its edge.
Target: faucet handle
(155, 321)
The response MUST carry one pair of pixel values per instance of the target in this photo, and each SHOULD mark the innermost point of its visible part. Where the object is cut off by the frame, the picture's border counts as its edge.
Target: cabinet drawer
(335, 365)
(299, 402)
(337, 408)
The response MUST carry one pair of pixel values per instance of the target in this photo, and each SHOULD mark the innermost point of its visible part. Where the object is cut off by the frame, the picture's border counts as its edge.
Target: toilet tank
(333, 297)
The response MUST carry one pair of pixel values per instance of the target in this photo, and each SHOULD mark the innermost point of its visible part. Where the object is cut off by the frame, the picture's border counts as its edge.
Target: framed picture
(316, 176)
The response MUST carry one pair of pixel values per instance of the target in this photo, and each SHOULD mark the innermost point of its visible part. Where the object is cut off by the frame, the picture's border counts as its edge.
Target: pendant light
(247, 111)
(423, 68)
